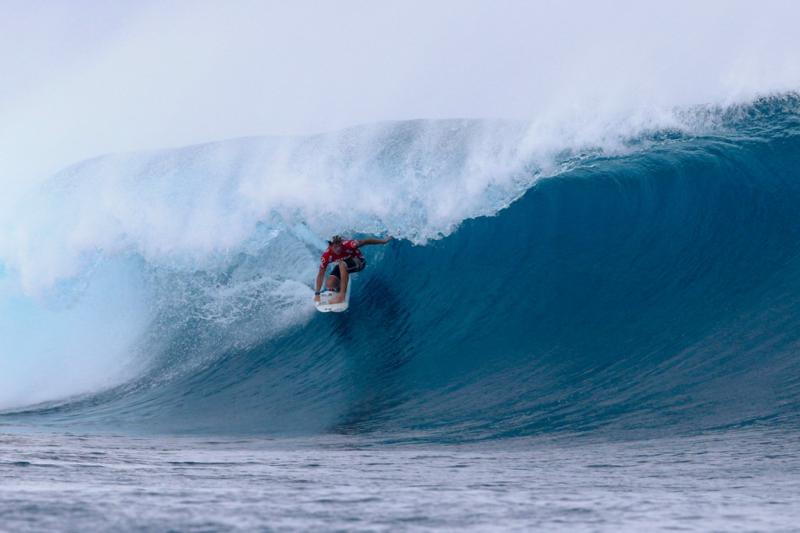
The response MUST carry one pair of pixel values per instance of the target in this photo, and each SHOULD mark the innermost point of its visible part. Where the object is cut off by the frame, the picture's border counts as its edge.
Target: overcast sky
(80, 77)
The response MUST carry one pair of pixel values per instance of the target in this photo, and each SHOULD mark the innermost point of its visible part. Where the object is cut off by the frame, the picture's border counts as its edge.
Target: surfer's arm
(364, 242)
(318, 284)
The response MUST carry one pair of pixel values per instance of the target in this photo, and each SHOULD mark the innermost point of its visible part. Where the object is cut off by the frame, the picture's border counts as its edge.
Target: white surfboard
(324, 307)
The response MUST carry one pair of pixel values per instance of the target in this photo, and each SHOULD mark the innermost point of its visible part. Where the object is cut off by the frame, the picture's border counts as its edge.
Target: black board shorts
(354, 264)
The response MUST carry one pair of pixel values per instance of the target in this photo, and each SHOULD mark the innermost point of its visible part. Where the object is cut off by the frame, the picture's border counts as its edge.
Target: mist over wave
(151, 75)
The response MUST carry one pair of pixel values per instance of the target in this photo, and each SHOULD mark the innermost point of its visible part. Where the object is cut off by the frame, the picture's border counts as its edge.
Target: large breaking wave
(649, 284)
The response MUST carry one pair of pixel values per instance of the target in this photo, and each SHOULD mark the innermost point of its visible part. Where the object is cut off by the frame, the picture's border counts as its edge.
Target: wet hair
(336, 239)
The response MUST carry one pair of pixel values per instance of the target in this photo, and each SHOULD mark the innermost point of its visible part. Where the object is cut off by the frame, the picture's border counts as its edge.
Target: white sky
(81, 77)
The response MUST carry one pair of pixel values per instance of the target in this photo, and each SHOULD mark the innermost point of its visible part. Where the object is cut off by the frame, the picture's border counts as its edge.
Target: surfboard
(324, 307)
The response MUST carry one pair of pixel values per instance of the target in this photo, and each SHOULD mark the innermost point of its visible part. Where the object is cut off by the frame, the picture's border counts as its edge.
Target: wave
(648, 286)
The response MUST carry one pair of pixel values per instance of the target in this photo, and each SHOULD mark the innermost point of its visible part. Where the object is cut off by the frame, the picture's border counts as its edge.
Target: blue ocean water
(736, 481)
(604, 340)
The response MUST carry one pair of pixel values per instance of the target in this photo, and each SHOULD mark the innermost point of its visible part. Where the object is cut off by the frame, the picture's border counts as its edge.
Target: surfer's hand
(387, 239)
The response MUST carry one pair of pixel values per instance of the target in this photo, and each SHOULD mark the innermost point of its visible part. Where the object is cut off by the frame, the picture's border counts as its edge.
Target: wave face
(651, 290)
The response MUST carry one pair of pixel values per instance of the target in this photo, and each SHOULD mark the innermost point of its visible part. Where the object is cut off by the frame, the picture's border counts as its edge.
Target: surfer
(347, 258)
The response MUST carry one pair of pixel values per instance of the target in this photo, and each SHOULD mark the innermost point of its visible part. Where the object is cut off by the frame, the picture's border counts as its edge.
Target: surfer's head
(336, 243)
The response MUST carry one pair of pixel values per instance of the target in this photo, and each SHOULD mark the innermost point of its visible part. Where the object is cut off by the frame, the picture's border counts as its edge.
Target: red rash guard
(349, 249)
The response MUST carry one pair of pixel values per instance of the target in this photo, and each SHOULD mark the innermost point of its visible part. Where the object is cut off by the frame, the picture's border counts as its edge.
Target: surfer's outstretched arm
(364, 242)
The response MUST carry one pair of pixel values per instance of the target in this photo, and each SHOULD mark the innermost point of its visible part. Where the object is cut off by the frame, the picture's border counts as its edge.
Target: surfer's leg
(345, 277)
(332, 282)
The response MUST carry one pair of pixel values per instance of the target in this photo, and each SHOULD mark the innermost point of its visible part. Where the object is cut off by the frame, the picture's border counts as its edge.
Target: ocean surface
(599, 335)
(738, 481)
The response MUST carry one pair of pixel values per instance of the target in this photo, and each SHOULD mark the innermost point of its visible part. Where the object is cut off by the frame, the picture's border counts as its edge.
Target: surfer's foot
(339, 298)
